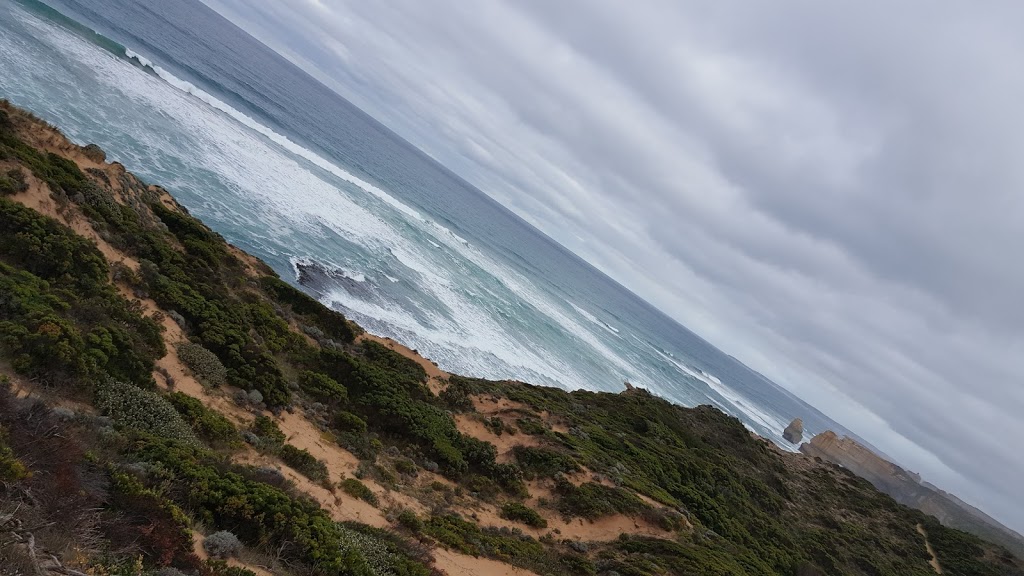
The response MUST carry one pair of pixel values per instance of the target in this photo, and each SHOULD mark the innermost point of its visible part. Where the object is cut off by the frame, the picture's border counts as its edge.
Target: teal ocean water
(288, 170)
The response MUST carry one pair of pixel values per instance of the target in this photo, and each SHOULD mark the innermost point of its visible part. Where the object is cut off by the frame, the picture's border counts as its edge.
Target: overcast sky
(830, 191)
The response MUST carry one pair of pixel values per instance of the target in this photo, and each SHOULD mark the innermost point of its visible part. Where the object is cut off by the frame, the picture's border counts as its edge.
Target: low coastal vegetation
(109, 469)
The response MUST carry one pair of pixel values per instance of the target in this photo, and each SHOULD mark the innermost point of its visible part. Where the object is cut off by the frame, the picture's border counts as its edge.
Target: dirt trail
(455, 564)
(928, 545)
(197, 547)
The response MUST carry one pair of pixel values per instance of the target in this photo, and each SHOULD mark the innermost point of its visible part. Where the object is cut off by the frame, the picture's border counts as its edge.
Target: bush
(11, 469)
(531, 426)
(222, 544)
(456, 397)
(357, 489)
(577, 564)
(592, 501)
(255, 397)
(322, 387)
(208, 424)
(501, 544)
(142, 410)
(384, 553)
(544, 462)
(332, 322)
(405, 466)
(410, 521)
(349, 422)
(517, 512)
(12, 182)
(204, 364)
(305, 463)
(268, 434)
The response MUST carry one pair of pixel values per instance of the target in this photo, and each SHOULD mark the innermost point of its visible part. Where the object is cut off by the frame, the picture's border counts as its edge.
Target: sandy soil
(931, 551)
(455, 564)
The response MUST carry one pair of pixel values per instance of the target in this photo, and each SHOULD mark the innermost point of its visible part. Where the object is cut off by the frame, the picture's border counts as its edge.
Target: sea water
(288, 170)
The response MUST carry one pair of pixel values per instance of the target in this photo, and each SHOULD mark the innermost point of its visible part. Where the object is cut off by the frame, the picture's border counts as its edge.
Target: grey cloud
(830, 192)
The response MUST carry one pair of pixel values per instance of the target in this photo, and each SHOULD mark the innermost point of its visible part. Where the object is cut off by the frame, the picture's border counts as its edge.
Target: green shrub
(357, 489)
(204, 364)
(410, 521)
(456, 397)
(501, 544)
(532, 426)
(12, 182)
(142, 410)
(384, 552)
(405, 466)
(544, 462)
(269, 435)
(11, 469)
(50, 250)
(349, 422)
(333, 323)
(305, 463)
(322, 387)
(517, 512)
(592, 501)
(209, 425)
(577, 564)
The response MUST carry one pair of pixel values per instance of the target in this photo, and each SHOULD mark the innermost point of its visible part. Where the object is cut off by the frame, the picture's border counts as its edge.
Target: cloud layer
(828, 191)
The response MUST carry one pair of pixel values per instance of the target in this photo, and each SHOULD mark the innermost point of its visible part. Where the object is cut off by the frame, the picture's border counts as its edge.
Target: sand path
(928, 546)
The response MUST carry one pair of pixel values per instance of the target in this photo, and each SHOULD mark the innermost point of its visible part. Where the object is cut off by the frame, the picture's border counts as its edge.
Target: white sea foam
(735, 399)
(594, 319)
(279, 139)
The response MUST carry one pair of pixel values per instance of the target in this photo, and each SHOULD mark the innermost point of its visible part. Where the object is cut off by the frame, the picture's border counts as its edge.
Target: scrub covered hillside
(170, 406)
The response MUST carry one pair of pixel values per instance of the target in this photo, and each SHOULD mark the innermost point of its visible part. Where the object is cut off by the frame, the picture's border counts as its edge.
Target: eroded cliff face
(855, 457)
(907, 488)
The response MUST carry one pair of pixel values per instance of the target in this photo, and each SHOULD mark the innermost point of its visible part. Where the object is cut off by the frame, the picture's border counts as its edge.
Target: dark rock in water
(94, 153)
(321, 279)
(795, 431)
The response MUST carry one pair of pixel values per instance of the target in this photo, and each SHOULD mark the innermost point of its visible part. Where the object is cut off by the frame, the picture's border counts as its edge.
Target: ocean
(290, 171)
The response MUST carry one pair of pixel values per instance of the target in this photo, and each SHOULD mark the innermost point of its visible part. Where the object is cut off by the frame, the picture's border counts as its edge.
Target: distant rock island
(794, 433)
(907, 488)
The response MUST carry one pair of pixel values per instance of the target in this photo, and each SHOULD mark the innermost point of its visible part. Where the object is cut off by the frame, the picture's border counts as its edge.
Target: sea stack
(794, 432)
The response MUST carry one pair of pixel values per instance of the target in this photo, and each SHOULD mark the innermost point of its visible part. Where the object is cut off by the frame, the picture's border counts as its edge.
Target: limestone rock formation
(907, 488)
(794, 433)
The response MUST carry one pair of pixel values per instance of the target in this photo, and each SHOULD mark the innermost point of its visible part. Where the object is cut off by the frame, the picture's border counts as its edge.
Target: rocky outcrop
(907, 488)
(857, 458)
(94, 153)
(794, 433)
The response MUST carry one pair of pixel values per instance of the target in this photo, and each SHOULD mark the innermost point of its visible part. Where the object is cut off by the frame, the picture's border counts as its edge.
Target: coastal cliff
(907, 488)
